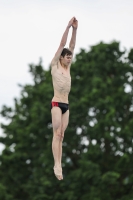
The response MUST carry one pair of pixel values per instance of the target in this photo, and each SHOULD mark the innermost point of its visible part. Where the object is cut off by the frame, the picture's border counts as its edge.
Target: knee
(59, 135)
(62, 136)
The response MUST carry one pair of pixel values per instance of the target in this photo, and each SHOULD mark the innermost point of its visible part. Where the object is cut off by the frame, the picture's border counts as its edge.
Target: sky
(32, 29)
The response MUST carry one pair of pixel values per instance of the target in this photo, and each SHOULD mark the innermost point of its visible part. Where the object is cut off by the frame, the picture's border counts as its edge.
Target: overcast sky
(30, 29)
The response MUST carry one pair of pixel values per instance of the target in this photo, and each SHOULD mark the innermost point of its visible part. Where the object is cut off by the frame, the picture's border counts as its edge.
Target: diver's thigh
(56, 117)
(65, 120)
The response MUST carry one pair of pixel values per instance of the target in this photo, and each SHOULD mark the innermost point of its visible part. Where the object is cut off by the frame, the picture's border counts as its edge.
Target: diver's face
(66, 60)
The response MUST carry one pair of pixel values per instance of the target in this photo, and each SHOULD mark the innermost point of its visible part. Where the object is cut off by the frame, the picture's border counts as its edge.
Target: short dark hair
(66, 51)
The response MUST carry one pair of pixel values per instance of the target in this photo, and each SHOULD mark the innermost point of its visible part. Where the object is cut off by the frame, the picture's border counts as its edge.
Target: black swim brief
(63, 106)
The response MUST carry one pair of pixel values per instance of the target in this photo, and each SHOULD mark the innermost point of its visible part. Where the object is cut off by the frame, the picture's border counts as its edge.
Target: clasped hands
(73, 22)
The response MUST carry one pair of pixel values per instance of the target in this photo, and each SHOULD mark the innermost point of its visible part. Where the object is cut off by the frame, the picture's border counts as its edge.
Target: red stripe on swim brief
(54, 104)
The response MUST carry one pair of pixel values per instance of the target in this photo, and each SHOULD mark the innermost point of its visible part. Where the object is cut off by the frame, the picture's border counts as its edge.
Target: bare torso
(61, 83)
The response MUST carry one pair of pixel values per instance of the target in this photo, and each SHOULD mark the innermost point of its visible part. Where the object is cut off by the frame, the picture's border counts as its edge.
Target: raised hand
(71, 22)
(75, 23)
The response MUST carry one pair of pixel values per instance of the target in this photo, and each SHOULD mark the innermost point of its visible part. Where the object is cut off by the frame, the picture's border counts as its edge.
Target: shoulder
(54, 66)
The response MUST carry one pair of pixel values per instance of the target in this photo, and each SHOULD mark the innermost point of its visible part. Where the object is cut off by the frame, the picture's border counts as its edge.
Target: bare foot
(58, 173)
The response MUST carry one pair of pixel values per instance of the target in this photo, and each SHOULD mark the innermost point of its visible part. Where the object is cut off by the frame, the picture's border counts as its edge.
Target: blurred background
(30, 34)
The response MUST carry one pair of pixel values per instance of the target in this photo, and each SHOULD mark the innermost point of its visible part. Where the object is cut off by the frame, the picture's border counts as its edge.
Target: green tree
(97, 148)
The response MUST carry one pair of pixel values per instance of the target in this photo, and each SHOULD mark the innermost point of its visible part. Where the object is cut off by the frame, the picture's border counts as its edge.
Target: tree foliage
(98, 143)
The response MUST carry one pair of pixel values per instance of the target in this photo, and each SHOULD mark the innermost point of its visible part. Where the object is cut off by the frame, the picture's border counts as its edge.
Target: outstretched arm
(73, 38)
(62, 43)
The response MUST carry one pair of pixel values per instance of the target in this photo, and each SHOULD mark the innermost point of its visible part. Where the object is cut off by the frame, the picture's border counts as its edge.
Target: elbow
(72, 46)
(62, 44)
